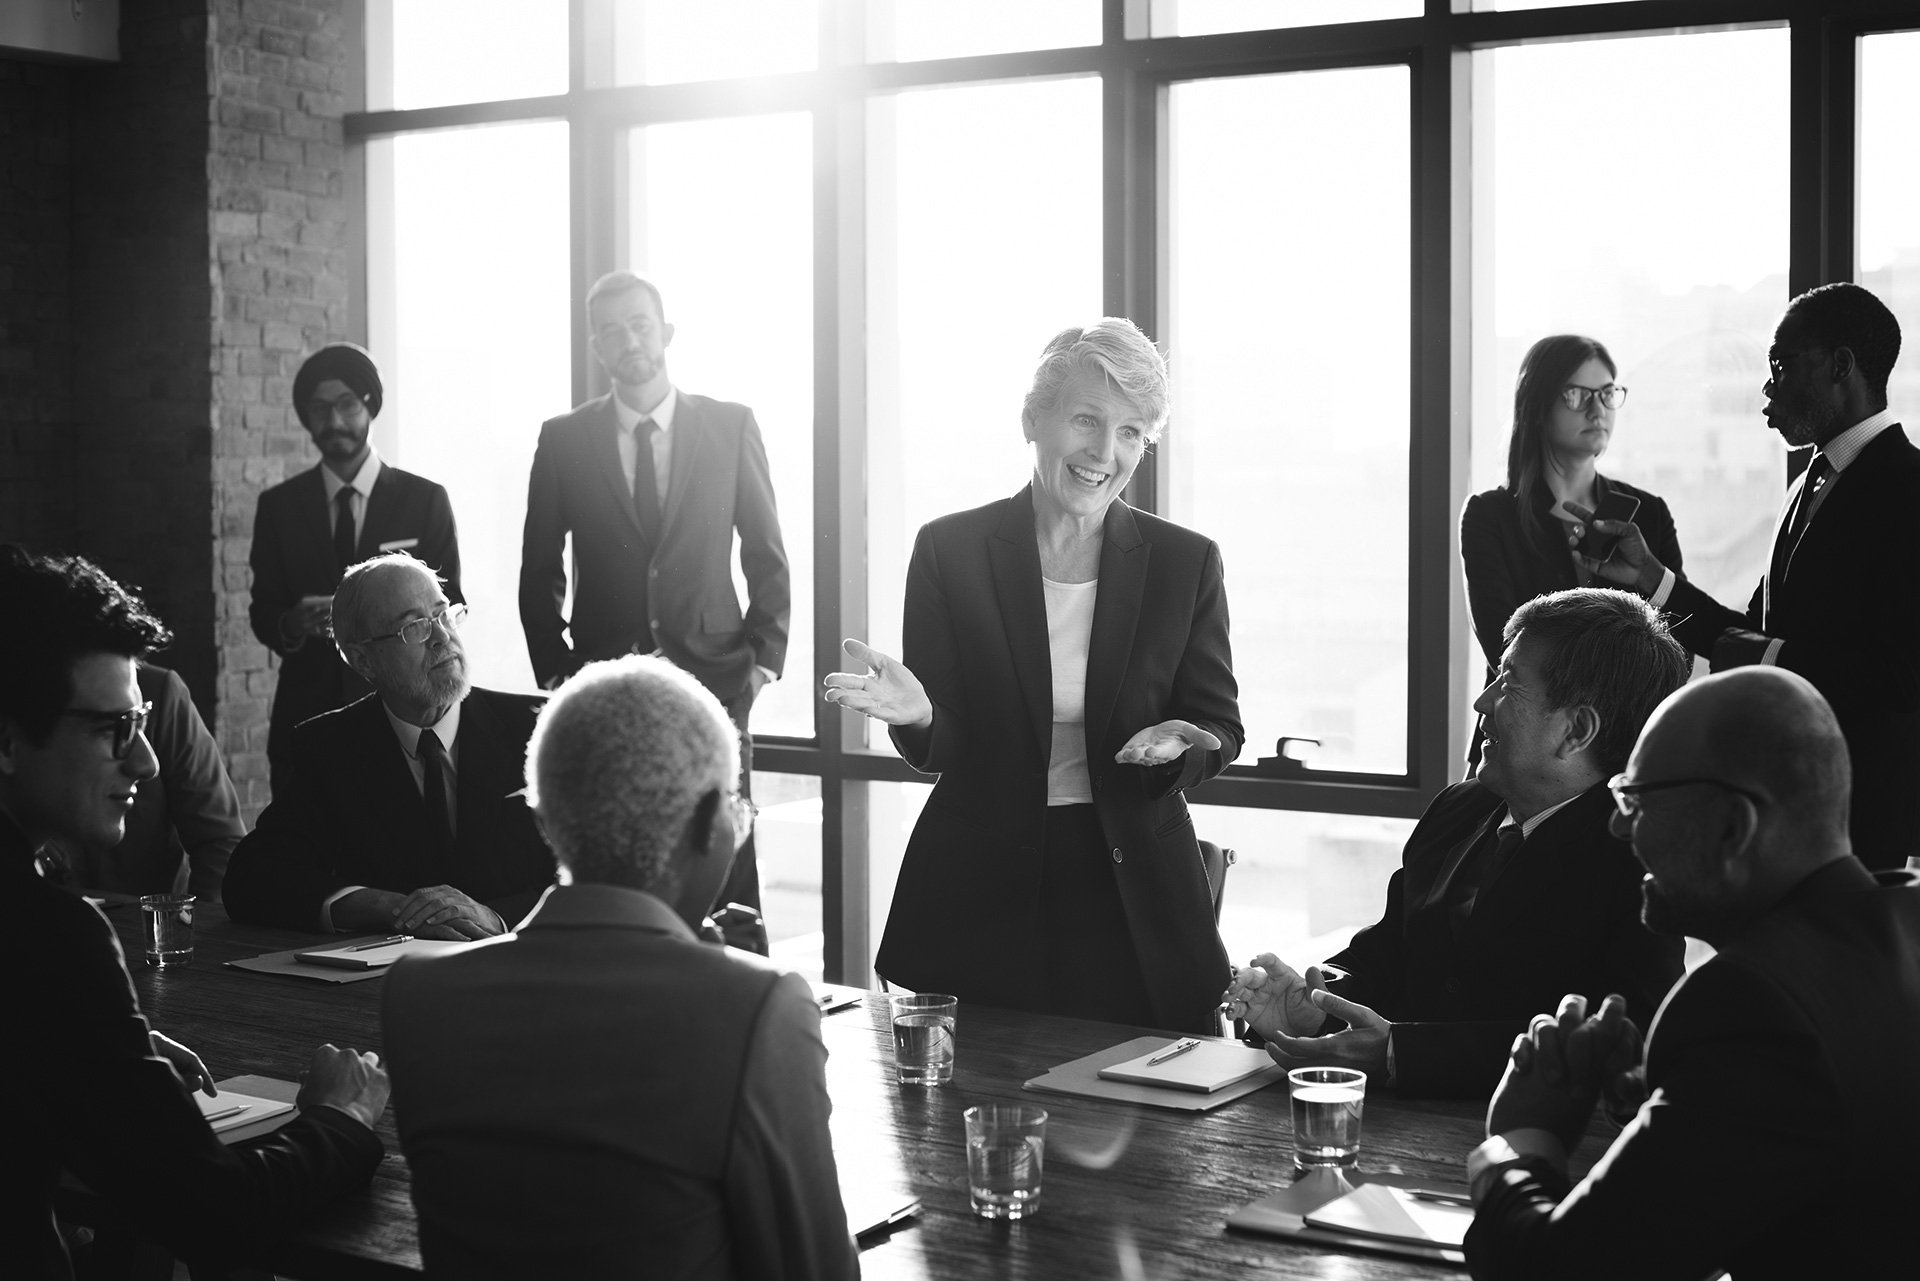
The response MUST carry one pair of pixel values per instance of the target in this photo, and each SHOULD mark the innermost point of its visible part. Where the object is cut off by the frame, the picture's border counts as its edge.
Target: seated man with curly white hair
(602, 1094)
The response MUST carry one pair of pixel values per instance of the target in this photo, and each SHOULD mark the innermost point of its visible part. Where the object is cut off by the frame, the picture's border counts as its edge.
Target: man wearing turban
(310, 528)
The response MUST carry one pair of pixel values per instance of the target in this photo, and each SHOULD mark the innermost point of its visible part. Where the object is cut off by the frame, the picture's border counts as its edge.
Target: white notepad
(362, 956)
(1395, 1214)
(1209, 1066)
(229, 1111)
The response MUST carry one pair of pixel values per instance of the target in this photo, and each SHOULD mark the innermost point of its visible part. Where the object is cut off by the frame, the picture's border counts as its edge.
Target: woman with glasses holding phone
(1519, 540)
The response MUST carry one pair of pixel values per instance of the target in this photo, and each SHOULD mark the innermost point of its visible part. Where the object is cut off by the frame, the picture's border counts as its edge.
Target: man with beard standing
(309, 528)
(1778, 1137)
(1840, 603)
(652, 483)
(403, 812)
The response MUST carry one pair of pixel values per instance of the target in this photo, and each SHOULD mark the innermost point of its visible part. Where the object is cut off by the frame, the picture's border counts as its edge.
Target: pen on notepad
(224, 1113)
(1442, 1198)
(1174, 1051)
(388, 942)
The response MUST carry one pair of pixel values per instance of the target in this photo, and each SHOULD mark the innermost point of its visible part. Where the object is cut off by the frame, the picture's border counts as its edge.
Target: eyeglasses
(1777, 365)
(416, 631)
(125, 725)
(744, 812)
(1575, 397)
(341, 407)
(1627, 794)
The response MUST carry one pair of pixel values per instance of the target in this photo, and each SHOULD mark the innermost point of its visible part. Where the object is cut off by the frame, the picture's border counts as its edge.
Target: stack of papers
(1088, 1077)
(1397, 1214)
(377, 954)
(1208, 1066)
(229, 1110)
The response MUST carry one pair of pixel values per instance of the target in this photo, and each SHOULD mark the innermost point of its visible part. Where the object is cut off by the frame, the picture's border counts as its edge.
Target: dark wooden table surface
(1128, 1192)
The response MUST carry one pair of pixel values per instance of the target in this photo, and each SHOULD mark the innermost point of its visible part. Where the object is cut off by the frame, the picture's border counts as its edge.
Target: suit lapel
(382, 507)
(689, 437)
(606, 455)
(316, 541)
(1014, 555)
(1124, 556)
(483, 772)
(389, 787)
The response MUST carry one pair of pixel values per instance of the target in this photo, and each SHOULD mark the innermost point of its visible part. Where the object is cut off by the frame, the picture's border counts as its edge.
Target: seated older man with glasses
(403, 811)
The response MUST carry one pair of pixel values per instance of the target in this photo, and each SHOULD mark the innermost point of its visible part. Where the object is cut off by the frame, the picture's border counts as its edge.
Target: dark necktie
(343, 528)
(433, 766)
(1478, 864)
(1819, 473)
(646, 488)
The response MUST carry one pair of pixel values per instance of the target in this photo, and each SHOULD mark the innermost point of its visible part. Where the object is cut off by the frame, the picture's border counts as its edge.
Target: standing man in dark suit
(1840, 603)
(1777, 1141)
(1513, 891)
(651, 483)
(97, 1092)
(404, 811)
(309, 528)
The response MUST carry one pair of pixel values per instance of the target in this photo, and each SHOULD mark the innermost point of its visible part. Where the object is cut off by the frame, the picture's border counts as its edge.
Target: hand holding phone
(1597, 546)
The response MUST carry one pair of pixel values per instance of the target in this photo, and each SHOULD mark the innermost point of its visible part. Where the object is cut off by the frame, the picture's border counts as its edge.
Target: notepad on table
(229, 1110)
(1209, 1066)
(1395, 1214)
(364, 955)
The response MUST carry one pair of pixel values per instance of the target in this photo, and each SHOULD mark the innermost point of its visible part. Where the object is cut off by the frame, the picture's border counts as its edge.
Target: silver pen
(1175, 1050)
(224, 1113)
(1440, 1198)
(387, 942)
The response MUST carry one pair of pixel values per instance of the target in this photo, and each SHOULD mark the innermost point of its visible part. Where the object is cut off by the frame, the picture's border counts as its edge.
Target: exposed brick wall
(36, 315)
(278, 223)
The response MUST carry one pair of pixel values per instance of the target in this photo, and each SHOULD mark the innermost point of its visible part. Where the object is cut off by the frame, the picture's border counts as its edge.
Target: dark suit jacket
(292, 557)
(351, 814)
(1848, 609)
(1504, 572)
(1779, 1139)
(965, 916)
(187, 813)
(606, 1096)
(678, 596)
(1562, 916)
(91, 1098)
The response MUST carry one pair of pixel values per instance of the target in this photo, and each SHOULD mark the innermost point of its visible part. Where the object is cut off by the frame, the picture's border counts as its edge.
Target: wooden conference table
(1121, 1185)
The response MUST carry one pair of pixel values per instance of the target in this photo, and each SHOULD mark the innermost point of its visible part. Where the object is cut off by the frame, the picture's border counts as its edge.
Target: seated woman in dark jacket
(1517, 541)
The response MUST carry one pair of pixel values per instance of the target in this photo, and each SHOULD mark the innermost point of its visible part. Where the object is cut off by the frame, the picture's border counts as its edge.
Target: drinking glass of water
(1006, 1147)
(166, 926)
(1326, 1116)
(923, 1038)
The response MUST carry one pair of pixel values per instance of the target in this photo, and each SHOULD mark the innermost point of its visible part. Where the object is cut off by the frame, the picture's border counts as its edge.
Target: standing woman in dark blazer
(1516, 542)
(1066, 673)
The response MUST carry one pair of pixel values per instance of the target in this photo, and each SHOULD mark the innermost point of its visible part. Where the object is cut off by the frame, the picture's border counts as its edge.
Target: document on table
(834, 996)
(229, 1110)
(1205, 1067)
(1303, 1211)
(376, 954)
(1083, 1077)
(1398, 1214)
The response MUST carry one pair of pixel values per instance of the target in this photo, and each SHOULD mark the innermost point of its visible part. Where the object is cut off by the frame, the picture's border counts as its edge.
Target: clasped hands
(1288, 1010)
(888, 691)
(1566, 1062)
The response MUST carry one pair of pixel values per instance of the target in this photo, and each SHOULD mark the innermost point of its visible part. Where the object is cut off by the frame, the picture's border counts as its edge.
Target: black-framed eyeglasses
(1627, 794)
(345, 406)
(1575, 397)
(125, 725)
(1777, 365)
(744, 813)
(416, 631)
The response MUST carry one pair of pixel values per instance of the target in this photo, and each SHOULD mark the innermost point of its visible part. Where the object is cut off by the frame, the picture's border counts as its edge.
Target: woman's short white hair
(619, 758)
(1113, 347)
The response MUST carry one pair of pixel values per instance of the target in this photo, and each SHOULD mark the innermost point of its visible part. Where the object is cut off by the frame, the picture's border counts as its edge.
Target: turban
(345, 361)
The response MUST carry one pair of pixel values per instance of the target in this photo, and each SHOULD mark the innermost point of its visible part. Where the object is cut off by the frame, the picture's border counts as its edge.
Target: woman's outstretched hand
(886, 691)
(1167, 741)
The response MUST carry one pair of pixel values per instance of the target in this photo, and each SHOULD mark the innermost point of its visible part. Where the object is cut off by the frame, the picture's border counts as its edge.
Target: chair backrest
(1216, 861)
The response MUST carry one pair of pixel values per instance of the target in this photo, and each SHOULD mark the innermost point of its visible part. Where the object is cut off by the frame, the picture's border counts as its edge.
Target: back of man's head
(1608, 650)
(55, 611)
(621, 758)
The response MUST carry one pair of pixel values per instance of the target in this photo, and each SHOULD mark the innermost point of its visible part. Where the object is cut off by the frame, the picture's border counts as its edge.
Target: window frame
(1135, 73)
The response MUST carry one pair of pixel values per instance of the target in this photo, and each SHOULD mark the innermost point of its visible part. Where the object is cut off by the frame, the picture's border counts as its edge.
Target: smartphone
(1615, 506)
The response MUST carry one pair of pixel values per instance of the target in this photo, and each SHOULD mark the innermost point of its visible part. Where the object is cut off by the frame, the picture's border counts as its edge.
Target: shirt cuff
(1659, 598)
(1771, 654)
(767, 672)
(326, 905)
(1506, 1149)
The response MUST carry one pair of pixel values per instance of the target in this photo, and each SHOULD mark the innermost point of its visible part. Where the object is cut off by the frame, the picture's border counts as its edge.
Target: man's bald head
(1740, 783)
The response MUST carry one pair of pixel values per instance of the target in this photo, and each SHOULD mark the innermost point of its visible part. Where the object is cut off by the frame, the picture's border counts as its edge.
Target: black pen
(1442, 1198)
(1174, 1051)
(387, 942)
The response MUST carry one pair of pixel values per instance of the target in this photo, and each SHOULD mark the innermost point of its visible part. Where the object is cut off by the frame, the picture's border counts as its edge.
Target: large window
(1345, 220)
